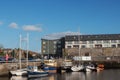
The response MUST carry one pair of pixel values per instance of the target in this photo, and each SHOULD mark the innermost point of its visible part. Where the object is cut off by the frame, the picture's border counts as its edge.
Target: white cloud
(32, 28)
(59, 35)
(1, 22)
(13, 25)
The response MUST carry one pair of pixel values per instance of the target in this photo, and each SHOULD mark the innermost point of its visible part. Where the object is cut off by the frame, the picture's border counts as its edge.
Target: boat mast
(27, 47)
(20, 52)
(79, 45)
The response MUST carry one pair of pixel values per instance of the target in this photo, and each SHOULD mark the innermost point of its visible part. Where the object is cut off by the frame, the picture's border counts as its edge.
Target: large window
(98, 42)
(106, 41)
(91, 46)
(55, 42)
(44, 42)
(84, 42)
(83, 46)
(75, 46)
(113, 46)
(69, 42)
(91, 42)
(113, 41)
(68, 46)
(76, 42)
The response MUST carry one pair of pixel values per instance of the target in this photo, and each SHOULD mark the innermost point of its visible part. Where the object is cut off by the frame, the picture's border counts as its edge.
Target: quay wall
(6, 67)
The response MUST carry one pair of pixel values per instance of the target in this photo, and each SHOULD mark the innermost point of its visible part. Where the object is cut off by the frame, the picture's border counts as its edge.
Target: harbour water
(109, 74)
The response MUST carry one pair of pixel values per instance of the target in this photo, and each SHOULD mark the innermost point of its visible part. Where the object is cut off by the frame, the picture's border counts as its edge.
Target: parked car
(2, 59)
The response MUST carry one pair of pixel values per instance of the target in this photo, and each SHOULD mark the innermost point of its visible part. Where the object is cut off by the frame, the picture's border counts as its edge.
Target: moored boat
(36, 73)
(90, 68)
(66, 64)
(50, 66)
(77, 68)
(19, 72)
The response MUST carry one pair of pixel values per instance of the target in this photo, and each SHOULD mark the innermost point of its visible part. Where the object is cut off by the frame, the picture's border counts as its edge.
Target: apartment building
(55, 47)
(92, 41)
(52, 47)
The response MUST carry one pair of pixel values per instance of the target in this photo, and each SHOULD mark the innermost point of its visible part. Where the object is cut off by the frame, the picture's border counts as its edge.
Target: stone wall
(95, 52)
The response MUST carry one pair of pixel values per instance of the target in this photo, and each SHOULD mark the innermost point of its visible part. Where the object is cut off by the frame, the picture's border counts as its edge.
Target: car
(2, 59)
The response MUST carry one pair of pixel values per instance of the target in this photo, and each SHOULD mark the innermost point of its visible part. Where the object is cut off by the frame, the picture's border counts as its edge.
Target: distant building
(92, 41)
(54, 47)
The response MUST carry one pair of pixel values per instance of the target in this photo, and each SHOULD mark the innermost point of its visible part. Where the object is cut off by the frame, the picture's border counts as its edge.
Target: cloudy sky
(43, 17)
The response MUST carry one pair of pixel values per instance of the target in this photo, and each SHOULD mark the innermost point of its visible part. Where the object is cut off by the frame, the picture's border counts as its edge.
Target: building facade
(52, 48)
(92, 41)
(57, 47)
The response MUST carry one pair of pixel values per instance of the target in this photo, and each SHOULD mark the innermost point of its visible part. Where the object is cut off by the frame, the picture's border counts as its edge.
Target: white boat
(20, 71)
(66, 64)
(77, 68)
(36, 73)
(90, 68)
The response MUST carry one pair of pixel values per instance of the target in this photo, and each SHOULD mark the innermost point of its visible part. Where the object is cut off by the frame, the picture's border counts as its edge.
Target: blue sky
(43, 17)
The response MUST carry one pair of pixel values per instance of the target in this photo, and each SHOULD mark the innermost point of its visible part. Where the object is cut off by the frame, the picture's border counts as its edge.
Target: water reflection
(103, 75)
(18, 78)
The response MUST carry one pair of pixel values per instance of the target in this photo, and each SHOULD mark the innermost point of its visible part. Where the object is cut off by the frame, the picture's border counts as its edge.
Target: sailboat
(78, 67)
(34, 72)
(20, 71)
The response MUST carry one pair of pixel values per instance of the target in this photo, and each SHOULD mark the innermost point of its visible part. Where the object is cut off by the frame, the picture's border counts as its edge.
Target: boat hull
(50, 69)
(18, 73)
(77, 68)
(33, 74)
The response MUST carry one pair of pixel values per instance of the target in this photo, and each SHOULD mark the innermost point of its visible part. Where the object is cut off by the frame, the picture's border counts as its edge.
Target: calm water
(103, 75)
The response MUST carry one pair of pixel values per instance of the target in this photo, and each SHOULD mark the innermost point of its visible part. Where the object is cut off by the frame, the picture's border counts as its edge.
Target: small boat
(66, 64)
(77, 68)
(50, 66)
(90, 68)
(50, 69)
(36, 73)
(100, 67)
(19, 72)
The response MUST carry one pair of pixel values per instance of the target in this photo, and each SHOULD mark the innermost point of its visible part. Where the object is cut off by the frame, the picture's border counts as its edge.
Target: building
(52, 48)
(92, 41)
(57, 47)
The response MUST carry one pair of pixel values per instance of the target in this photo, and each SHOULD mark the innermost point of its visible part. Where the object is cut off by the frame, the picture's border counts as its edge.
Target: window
(68, 46)
(118, 45)
(83, 46)
(44, 42)
(54, 46)
(91, 46)
(75, 46)
(76, 42)
(69, 42)
(54, 42)
(106, 41)
(44, 51)
(59, 42)
(98, 42)
(84, 42)
(44, 47)
(59, 46)
(113, 41)
(54, 51)
(113, 46)
(118, 41)
(91, 42)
